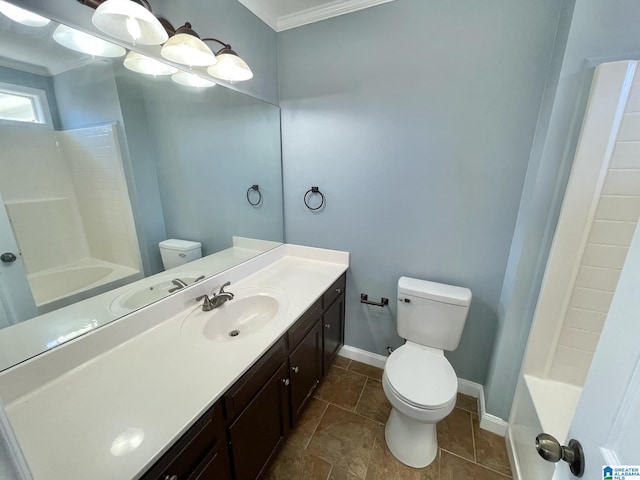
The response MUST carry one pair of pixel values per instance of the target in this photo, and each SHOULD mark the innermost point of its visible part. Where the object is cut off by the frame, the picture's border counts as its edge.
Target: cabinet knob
(338, 291)
(295, 369)
(327, 326)
(170, 477)
(285, 382)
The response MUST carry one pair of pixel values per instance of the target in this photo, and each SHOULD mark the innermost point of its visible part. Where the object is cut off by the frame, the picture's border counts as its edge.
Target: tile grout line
(473, 439)
(326, 407)
(478, 464)
(360, 396)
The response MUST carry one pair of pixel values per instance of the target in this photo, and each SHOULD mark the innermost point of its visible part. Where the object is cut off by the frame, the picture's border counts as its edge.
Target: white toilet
(176, 252)
(418, 380)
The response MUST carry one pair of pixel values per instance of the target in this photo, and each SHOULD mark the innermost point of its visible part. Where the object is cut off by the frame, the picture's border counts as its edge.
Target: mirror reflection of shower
(67, 202)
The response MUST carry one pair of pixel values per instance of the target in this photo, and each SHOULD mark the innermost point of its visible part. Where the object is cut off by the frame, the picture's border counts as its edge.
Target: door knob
(550, 449)
(8, 257)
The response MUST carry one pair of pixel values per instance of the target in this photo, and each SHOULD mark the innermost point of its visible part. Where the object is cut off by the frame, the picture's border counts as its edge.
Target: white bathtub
(540, 405)
(70, 280)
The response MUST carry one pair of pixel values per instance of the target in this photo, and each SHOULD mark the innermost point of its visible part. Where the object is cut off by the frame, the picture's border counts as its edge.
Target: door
(16, 300)
(607, 419)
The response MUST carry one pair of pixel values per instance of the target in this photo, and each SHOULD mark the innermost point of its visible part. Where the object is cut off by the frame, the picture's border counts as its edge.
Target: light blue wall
(149, 218)
(31, 80)
(210, 146)
(415, 118)
(594, 31)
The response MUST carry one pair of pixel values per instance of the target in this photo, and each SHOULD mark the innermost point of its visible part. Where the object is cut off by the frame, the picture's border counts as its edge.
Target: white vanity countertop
(26, 339)
(114, 415)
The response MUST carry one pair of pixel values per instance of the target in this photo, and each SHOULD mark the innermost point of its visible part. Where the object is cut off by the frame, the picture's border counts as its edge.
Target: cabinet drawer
(334, 291)
(192, 448)
(241, 393)
(214, 466)
(304, 324)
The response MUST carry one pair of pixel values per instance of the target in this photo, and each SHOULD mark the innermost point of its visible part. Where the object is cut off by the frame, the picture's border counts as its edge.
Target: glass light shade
(129, 21)
(189, 50)
(84, 43)
(20, 15)
(191, 80)
(230, 67)
(149, 66)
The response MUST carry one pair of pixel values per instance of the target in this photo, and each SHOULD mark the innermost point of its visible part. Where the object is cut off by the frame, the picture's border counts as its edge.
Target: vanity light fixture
(191, 80)
(139, 63)
(229, 66)
(186, 48)
(22, 16)
(130, 21)
(225, 64)
(183, 46)
(84, 43)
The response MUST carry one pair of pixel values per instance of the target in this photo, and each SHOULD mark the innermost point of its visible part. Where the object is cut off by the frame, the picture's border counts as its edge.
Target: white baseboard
(363, 356)
(488, 422)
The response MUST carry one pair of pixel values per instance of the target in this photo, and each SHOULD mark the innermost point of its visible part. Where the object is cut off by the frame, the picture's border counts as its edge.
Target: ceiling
(286, 14)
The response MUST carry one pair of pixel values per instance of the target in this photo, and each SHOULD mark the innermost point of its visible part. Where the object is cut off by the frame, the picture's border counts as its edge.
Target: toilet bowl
(418, 380)
(421, 386)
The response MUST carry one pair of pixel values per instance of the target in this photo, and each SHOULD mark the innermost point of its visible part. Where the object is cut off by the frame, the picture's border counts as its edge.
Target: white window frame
(40, 103)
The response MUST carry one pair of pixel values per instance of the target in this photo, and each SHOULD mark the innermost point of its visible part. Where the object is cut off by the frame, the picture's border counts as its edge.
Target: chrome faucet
(216, 300)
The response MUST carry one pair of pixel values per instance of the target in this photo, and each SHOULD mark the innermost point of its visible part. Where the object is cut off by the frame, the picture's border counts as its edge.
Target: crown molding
(329, 10)
(260, 10)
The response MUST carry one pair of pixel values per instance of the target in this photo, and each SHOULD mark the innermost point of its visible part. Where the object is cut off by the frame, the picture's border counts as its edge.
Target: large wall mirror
(99, 165)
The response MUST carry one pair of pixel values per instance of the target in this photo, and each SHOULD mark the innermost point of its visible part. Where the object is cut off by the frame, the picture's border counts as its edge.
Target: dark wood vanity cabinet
(242, 433)
(202, 450)
(305, 370)
(333, 321)
(257, 434)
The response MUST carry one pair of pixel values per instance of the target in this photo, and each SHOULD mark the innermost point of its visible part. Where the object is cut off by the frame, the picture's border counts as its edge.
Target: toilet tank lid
(182, 245)
(438, 292)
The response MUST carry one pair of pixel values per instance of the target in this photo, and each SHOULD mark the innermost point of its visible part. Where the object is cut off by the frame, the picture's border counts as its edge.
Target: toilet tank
(175, 252)
(432, 314)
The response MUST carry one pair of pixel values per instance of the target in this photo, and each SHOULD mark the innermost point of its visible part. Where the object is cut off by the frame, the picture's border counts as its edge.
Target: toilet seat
(421, 377)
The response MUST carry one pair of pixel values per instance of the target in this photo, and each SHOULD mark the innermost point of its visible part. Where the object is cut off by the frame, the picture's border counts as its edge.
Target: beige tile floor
(341, 437)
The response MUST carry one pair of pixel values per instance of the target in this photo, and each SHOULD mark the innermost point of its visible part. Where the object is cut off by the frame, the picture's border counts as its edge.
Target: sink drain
(234, 333)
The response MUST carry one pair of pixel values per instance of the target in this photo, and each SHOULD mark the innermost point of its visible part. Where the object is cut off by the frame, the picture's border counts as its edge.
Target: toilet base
(413, 443)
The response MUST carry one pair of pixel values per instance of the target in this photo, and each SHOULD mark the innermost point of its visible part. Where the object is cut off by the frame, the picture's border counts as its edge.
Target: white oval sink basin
(148, 292)
(250, 311)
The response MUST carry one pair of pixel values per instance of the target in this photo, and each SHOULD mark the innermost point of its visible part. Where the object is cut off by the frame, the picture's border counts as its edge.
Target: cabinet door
(305, 365)
(259, 431)
(333, 331)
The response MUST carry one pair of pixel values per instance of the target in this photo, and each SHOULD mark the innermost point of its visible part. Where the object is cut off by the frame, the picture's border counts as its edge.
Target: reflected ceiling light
(84, 43)
(230, 66)
(149, 66)
(130, 21)
(191, 80)
(127, 441)
(186, 48)
(20, 15)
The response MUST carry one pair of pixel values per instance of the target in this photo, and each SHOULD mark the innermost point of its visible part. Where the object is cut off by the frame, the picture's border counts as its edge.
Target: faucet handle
(206, 306)
(222, 288)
